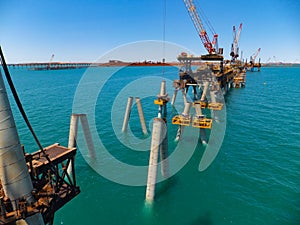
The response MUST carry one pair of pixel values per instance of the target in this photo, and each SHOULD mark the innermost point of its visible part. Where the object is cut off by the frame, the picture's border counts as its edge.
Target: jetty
(50, 66)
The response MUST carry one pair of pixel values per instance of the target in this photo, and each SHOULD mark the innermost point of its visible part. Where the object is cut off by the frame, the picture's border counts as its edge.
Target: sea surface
(255, 178)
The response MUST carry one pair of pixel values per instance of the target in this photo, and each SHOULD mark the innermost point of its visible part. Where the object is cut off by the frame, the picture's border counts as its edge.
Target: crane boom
(236, 37)
(256, 54)
(52, 56)
(252, 58)
(211, 47)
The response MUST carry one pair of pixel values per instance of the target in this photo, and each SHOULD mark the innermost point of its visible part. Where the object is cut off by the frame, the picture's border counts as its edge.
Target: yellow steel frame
(202, 104)
(239, 78)
(215, 106)
(159, 102)
(238, 81)
(181, 120)
(202, 123)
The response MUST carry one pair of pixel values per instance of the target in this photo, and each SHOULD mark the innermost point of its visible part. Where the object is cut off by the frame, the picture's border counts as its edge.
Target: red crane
(211, 46)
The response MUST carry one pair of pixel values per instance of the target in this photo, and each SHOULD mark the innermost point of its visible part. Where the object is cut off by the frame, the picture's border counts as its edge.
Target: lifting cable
(164, 34)
(19, 104)
(205, 18)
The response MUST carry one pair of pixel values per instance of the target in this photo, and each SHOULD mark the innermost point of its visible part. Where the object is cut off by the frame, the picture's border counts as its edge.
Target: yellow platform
(202, 123)
(160, 102)
(215, 106)
(203, 105)
(181, 120)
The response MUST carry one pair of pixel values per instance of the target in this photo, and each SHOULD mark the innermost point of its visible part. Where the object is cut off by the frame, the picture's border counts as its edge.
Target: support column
(127, 114)
(164, 145)
(174, 96)
(198, 110)
(202, 130)
(159, 143)
(186, 113)
(87, 135)
(73, 131)
(204, 91)
(213, 100)
(163, 89)
(157, 130)
(164, 154)
(72, 140)
(141, 115)
(213, 97)
(195, 92)
(184, 97)
(187, 107)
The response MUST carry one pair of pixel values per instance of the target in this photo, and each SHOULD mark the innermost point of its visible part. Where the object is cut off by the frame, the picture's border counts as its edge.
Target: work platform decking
(212, 66)
(212, 79)
(38, 162)
(53, 185)
(213, 69)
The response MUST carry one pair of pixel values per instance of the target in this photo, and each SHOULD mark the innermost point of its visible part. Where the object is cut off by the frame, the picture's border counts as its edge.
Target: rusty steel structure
(254, 65)
(33, 186)
(53, 187)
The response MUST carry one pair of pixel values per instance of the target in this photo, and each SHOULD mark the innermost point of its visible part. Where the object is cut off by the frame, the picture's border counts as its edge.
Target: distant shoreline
(116, 63)
(280, 64)
(145, 63)
(111, 63)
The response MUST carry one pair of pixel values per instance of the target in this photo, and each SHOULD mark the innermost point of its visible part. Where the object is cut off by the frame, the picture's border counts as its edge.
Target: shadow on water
(150, 208)
(161, 190)
(203, 220)
(165, 187)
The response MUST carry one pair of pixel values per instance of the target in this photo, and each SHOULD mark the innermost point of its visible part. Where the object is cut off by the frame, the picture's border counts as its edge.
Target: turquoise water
(253, 180)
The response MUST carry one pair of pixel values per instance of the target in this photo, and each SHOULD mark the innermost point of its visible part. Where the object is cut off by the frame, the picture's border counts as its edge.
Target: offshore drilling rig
(32, 186)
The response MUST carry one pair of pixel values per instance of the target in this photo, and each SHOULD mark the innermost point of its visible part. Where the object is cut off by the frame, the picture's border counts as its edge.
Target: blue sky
(33, 30)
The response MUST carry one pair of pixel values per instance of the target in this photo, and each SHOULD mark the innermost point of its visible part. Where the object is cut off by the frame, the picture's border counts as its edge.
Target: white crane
(235, 45)
(253, 57)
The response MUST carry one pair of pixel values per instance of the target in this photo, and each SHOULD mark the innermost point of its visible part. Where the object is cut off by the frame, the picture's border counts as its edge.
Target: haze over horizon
(82, 31)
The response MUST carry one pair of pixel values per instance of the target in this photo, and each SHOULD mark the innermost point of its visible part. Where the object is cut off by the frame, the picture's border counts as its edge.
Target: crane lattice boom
(211, 47)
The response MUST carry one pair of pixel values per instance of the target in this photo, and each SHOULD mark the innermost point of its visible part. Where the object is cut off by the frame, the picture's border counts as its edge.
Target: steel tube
(127, 114)
(157, 131)
(141, 115)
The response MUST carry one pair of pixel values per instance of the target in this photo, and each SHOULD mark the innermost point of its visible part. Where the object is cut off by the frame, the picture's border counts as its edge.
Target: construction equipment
(211, 46)
(202, 122)
(253, 64)
(234, 47)
(32, 186)
(181, 120)
(254, 56)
